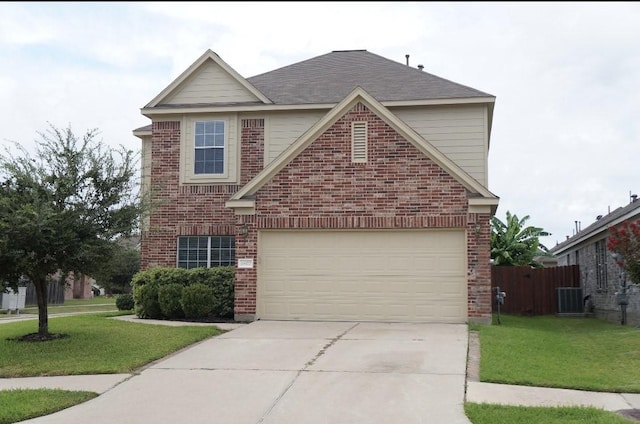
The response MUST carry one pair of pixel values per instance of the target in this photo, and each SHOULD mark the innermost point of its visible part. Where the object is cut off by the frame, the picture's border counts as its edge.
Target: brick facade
(397, 188)
(179, 210)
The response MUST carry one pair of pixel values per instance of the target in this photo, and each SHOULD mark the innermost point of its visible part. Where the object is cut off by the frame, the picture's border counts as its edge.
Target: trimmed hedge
(169, 297)
(124, 302)
(158, 292)
(197, 301)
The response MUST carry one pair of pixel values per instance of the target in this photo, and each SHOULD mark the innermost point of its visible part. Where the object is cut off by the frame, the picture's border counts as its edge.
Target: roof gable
(356, 96)
(208, 80)
(339, 72)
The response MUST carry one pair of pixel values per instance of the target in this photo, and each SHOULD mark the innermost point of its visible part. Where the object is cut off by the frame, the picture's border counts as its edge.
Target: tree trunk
(43, 314)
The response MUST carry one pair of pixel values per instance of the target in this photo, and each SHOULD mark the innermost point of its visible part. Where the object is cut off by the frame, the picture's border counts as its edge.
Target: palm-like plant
(513, 243)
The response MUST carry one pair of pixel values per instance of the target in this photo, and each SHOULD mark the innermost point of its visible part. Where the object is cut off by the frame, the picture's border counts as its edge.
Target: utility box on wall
(13, 301)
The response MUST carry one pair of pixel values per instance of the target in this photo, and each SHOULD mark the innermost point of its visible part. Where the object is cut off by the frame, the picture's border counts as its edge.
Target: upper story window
(209, 147)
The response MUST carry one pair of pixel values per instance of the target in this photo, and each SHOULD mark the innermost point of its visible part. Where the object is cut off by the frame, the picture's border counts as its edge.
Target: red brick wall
(479, 268)
(180, 210)
(252, 149)
(398, 187)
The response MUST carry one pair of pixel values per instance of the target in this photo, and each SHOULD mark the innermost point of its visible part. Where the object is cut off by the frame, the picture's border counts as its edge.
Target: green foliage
(219, 279)
(21, 404)
(549, 351)
(62, 207)
(513, 244)
(161, 276)
(486, 413)
(624, 242)
(125, 302)
(169, 297)
(146, 300)
(114, 274)
(197, 300)
(98, 344)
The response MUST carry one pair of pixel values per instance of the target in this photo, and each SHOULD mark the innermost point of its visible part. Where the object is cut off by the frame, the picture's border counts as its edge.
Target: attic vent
(359, 142)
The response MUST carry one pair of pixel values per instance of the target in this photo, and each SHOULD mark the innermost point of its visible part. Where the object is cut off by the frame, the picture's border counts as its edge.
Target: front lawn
(498, 414)
(19, 405)
(549, 351)
(95, 304)
(96, 345)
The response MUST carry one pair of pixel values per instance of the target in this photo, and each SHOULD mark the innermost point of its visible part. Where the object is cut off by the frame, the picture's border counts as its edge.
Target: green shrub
(197, 301)
(169, 297)
(125, 302)
(146, 300)
(161, 276)
(160, 302)
(221, 280)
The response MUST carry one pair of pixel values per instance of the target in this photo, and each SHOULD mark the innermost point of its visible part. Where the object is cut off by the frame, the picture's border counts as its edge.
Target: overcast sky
(565, 143)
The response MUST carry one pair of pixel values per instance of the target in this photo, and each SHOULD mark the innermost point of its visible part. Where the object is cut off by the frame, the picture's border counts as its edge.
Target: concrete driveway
(279, 372)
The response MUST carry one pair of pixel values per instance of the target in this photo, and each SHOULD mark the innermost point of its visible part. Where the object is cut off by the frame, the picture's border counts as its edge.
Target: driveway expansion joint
(328, 345)
(307, 365)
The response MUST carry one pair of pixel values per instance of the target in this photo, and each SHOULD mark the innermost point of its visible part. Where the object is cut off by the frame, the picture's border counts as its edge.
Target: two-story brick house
(343, 187)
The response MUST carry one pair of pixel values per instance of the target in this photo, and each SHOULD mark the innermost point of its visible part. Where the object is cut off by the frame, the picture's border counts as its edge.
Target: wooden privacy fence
(532, 291)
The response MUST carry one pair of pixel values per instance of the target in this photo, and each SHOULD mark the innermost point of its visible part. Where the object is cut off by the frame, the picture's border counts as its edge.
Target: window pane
(210, 127)
(218, 140)
(200, 128)
(199, 140)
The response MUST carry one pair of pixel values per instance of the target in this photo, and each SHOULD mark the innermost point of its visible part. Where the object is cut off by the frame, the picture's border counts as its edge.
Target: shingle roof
(597, 226)
(331, 77)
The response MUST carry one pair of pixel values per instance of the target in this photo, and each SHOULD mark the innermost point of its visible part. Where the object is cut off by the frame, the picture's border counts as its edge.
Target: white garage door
(412, 276)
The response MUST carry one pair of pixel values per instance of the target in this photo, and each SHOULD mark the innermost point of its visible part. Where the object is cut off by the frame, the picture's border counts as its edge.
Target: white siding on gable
(283, 128)
(209, 84)
(459, 132)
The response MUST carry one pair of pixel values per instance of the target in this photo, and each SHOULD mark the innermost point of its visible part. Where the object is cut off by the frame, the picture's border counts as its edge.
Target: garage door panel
(362, 275)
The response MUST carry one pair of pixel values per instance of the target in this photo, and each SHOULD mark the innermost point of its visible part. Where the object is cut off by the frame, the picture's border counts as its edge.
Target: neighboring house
(600, 275)
(343, 187)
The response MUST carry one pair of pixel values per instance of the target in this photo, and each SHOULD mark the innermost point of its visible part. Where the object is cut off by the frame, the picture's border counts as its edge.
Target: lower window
(206, 251)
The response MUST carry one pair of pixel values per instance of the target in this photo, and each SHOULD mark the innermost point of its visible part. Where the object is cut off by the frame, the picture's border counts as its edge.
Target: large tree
(513, 243)
(62, 208)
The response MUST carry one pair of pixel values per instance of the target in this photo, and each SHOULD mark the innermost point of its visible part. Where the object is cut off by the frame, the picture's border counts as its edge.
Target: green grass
(95, 304)
(574, 353)
(98, 300)
(96, 345)
(498, 414)
(20, 405)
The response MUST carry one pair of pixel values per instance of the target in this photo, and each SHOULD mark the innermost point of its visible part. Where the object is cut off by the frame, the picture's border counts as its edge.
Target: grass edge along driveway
(96, 345)
(550, 351)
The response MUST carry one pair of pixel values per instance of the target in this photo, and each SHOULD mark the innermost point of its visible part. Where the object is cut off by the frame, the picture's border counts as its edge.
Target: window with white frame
(206, 251)
(601, 264)
(209, 147)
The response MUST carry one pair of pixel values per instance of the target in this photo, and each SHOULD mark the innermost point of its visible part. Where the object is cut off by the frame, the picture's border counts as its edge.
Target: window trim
(232, 251)
(187, 150)
(223, 148)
